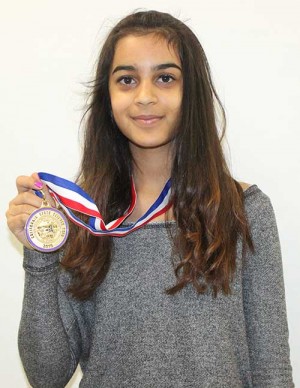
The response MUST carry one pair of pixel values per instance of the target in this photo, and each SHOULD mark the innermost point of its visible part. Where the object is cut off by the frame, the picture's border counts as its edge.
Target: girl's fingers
(30, 183)
(27, 198)
(16, 225)
(25, 203)
(16, 210)
(26, 183)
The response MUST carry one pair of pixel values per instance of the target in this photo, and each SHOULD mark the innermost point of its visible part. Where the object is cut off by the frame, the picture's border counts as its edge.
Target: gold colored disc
(47, 229)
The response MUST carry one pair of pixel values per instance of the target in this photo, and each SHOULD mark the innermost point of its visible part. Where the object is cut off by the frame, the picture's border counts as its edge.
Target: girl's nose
(145, 93)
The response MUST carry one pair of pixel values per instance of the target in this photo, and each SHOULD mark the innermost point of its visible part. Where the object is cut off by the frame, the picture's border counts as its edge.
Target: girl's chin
(150, 145)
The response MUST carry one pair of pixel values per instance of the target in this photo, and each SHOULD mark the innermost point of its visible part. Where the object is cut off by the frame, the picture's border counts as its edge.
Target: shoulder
(258, 205)
(256, 201)
(244, 185)
(255, 198)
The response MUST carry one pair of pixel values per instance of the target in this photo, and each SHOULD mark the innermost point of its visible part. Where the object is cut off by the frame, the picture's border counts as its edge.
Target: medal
(47, 228)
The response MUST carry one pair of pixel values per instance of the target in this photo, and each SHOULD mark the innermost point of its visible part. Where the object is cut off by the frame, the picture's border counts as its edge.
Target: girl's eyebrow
(155, 68)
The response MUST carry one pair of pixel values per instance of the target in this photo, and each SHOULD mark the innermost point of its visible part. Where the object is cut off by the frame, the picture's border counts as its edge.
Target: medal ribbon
(70, 196)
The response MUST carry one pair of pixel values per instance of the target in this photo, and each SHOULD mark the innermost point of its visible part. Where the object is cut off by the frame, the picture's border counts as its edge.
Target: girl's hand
(24, 204)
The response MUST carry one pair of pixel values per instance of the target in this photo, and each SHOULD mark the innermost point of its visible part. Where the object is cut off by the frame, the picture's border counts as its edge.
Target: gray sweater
(131, 334)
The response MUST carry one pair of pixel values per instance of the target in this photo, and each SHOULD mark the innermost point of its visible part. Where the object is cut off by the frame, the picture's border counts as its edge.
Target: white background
(48, 49)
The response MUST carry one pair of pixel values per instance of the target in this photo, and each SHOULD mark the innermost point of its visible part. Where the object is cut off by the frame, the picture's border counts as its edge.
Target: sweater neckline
(247, 192)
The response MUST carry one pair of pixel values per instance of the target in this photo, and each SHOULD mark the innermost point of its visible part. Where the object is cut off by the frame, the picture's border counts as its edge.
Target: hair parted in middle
(208, 204)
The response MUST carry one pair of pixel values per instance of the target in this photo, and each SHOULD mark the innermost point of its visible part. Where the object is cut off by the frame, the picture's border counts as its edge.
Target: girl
(193, 298)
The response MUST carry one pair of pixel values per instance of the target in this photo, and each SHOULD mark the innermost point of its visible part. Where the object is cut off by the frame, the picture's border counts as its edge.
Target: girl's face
(145, 86)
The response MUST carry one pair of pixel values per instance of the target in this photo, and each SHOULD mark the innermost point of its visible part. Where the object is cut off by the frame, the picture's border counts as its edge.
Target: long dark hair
(208, 204)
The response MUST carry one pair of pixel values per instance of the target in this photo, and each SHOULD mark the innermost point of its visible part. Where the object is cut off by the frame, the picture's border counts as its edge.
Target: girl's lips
(147, 120)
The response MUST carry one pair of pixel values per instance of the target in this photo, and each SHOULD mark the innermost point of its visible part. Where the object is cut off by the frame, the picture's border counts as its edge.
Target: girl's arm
(264, 301)
(49, 339)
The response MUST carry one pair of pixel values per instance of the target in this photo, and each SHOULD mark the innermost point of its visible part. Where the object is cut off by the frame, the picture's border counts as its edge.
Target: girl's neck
(151, 168)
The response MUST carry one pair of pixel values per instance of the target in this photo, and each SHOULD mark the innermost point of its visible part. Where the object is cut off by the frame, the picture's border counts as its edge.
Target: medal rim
(36, 247)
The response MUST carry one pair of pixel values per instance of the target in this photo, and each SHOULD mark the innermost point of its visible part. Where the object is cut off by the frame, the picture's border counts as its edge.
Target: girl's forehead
(148, 46)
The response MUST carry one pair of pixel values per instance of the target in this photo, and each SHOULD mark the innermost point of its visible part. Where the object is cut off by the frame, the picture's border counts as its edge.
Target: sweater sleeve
(264, 301)
(49, 344)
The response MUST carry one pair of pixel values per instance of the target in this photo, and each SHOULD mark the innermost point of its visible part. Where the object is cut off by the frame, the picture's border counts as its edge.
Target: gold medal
(47, 228)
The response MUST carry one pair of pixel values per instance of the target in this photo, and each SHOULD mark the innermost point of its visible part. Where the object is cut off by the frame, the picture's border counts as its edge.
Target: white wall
(48, 48)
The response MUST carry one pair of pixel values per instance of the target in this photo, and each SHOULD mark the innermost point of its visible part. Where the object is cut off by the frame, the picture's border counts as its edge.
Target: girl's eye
(166, 78)
(127, 80)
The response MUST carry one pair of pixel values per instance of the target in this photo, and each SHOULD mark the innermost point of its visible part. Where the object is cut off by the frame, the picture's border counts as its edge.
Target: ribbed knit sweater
(132, 334)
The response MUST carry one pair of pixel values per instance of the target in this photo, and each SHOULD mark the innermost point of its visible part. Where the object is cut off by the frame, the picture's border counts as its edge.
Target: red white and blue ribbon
(70, 196)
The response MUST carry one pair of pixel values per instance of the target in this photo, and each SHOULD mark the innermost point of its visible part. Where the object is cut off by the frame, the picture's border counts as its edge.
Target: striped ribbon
(70, 196)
